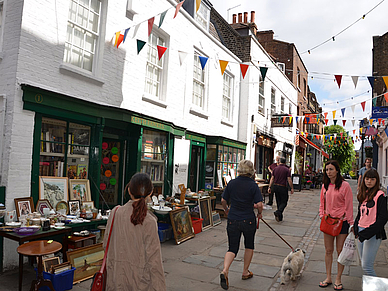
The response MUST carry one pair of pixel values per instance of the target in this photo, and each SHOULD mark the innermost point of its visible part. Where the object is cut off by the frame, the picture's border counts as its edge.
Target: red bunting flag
(150, 25)
(325, 114)
(338, 79)
(244, 69)
(343, 123)
(326, 121)
(161, 51)
(284, 119)
(379, 119)
(178, 6)
(354, 131)
(120, 40)
(363, 105)
(386, 97)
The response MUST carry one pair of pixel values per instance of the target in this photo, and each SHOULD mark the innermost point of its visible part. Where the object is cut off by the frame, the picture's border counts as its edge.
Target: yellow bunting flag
(385, 78)
(334, 111)
(117, 38)
(371, 121)
(223, 65)
(360, 130)
(198, 3)
(290, 120)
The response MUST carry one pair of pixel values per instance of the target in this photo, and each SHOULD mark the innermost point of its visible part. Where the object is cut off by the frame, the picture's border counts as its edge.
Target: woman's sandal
(224, 281)
(338, 287)
(246, 277)
(324, 284)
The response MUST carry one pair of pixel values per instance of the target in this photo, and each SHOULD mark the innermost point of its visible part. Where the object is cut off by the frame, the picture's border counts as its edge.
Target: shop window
(282, 104)
(273, 100)
(227, 97)
(227, 163)
(261, 104)
(64, 149)
(82, 33)
(203, 15)
(153, 158)
(154, 70)
(198, 84)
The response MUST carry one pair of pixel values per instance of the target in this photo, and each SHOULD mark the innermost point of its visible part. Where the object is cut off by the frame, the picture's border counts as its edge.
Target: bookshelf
(153, 157)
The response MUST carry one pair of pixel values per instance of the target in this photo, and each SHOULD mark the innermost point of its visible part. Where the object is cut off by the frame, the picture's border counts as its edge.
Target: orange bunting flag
(120, 40)
(198, 3)
(284, 119)
(178, 6)
(325, 114)
(385, 78)
(243, 69)
(117, 38)
(363, 105)
(223, 65)
(334, 111)
(386, 97)
(354, 131)
(371, 121)
(150, 25)
(338, 78)
(161, 51)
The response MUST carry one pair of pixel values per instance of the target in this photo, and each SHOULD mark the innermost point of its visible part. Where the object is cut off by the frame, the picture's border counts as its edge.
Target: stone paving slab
(256, 269)
(206, 261)
(235, 282)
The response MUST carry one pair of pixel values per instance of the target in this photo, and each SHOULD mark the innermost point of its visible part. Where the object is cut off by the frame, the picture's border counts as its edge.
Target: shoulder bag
(99, 279)
(331, 225)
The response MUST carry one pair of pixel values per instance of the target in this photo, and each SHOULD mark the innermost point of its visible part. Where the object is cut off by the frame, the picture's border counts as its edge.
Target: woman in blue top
(243, 196)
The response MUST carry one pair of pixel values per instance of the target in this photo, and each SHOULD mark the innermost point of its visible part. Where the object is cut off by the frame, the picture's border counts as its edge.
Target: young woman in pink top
(339, 202)
(371, 219)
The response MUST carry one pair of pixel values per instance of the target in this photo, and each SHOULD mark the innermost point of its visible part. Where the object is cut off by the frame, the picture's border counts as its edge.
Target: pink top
(368, 214)
(338, 202)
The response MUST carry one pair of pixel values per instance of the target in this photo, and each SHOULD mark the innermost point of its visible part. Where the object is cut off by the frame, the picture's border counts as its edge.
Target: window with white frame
(261, 103)
(1, 23)
(290, 108)
(83, 28)
(154, 68)
(198, 83)
(282, 104)
(203, 15)
(273, 100)
(227, 97)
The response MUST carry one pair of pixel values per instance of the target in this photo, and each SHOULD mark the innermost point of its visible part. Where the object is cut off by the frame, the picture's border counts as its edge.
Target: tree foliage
(340, 149)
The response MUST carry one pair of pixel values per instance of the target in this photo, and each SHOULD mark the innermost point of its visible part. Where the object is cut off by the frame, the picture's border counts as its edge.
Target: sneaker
(276, 217)
(269, 204)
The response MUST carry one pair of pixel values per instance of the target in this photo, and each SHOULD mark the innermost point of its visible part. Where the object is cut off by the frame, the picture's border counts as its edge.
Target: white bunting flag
(182, 56)
(355, 80)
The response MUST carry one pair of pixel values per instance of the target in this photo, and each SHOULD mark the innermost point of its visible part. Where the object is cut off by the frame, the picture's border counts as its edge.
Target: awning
(314, 146)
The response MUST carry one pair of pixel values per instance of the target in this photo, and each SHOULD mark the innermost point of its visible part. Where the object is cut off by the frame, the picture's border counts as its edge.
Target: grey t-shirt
(363, 170)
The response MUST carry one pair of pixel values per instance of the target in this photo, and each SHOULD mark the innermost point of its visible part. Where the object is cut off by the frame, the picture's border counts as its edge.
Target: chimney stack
(239, 17)
(245, 17)
(253, 16)
(234, 18)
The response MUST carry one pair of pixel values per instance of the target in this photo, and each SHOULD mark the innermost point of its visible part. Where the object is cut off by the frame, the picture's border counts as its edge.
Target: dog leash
(275, 233)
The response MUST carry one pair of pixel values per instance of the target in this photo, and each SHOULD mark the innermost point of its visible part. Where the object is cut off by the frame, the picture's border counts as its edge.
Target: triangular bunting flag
(355, 80)
(338, 78)
(385, 78)
(263, 71)
(343, 112)
(374, 101)
(117, 38)
(360, 130)
(125, 34)
(334, 111)
(120, 40)
(354, 131)
(343, 122)
(243, 69)
(335, 121)
(140, 45)
(307, 119)
(162, 16)
(371, 81)
(325, 114)
(182, 56)
(386, 97)
(342, 134)
(379, 119)
(161, 51)
(203, 60)
(353, 107)
(223, 65)
(198, 3)
(297, 119)
(363, 105)
(284, 119)
(150, 25)
(290, 120)
(326, 121)
(371, 121)
(353, 121)
(178, 6)
(135, 30)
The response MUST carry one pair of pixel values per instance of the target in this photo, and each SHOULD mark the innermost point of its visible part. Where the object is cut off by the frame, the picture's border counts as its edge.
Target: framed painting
(62, 205)
(216, 218)
(49, 263)
(181, 224)
(86, 260)
(89, 205)
(205, 212)
(54, 189)
(74, 207)
(24, 206)
(42, 204)
(80, 190)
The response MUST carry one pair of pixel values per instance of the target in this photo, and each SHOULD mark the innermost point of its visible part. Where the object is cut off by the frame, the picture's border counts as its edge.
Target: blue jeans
(368, 251)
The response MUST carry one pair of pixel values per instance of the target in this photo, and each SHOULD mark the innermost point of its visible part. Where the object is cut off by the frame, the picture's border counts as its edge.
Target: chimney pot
(234, 18)
(245, 17)
(239, 17)
(253, 16)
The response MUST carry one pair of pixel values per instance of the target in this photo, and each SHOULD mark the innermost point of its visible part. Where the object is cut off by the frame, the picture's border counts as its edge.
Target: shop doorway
(196, 174)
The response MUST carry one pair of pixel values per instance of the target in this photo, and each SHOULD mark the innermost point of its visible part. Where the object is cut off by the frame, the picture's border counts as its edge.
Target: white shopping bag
(349, 254)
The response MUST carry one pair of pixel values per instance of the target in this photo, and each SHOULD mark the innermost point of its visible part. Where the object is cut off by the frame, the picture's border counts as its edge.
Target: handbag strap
(107, 244)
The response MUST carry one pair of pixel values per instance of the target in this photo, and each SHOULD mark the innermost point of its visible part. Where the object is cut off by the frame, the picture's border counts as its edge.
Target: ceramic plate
(14, 223)
(59, 227)
(163, 210)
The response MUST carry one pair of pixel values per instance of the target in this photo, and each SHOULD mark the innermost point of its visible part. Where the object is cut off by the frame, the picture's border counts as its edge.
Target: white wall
(181, 163)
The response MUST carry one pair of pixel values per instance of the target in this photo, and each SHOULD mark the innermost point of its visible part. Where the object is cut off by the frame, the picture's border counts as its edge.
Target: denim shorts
(235, 228)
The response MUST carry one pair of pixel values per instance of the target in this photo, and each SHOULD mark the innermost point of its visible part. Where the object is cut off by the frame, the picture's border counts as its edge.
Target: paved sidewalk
(196, 263)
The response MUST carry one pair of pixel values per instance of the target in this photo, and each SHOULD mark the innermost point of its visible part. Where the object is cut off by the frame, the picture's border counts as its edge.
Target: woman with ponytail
(134, 260)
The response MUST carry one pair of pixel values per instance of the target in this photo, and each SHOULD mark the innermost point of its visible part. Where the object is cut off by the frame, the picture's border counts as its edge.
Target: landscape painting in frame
(54, 189)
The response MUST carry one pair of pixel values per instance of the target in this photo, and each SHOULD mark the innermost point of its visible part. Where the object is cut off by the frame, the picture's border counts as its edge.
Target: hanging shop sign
(287, 148)
(281, 120)
(379, 112)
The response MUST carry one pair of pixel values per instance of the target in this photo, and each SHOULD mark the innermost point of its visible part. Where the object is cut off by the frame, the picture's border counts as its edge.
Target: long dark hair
(365, 192)
(140, 187)
(338, 179)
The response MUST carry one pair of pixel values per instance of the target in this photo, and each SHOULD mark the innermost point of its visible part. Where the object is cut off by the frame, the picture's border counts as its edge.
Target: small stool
(38, 249)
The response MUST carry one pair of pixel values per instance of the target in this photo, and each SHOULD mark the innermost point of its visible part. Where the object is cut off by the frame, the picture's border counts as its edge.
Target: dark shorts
(237, 227)
(345, 227)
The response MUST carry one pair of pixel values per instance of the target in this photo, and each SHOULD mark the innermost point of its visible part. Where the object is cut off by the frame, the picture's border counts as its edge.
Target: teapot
(9, 216)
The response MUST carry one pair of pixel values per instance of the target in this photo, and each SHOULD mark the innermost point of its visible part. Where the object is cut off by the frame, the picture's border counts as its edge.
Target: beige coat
(134, 260)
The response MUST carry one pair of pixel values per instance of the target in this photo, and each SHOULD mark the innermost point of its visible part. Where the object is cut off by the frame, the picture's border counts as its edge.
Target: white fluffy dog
(292, 266)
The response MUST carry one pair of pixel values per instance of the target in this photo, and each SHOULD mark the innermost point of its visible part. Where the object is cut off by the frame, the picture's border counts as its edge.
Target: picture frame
(24, 206)
(87, 261)
(182, 225)
(54, 189)
(89, 205)
(49, 263)
(80, 190)
(205, 212)
(42, 204)
(56, 269)
(74, 206)
(62, 205)
(216, 218)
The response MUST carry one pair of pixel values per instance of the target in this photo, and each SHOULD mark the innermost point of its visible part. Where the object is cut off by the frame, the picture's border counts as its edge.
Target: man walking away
(270, 169)
(280, 176)
(368, 165)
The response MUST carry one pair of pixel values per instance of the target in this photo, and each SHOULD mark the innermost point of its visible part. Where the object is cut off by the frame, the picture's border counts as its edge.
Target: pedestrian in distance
(371, 219)
(337, 195)
(243, 195)
(134, 260)
(280, 177)
(270, 169)
(368, 165)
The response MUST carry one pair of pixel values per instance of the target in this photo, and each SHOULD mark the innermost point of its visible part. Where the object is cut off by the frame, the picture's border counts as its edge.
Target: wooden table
(21, 239)
(264, 189)
(38, 249)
